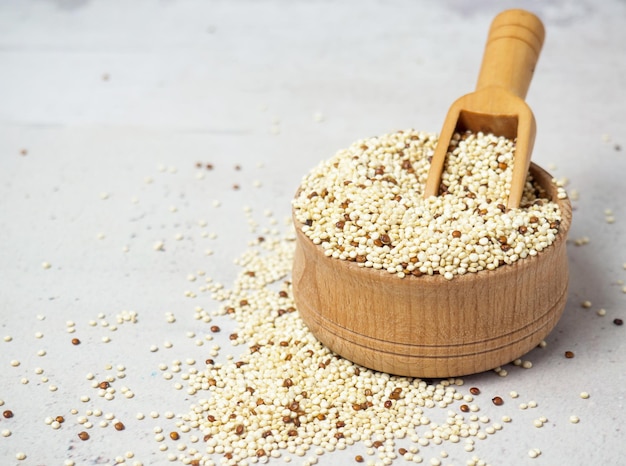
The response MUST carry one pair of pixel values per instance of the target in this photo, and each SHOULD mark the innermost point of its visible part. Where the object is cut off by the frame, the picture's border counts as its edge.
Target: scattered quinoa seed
(282, 394)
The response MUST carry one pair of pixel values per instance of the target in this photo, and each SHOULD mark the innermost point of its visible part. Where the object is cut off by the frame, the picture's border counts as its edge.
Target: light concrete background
(98, 96)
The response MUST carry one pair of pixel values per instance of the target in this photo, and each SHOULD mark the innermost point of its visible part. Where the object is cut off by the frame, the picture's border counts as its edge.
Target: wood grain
(428, 326)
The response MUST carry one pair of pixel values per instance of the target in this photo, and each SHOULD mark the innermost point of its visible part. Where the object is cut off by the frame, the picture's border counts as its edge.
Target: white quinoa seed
(377, 217)
(534, 453)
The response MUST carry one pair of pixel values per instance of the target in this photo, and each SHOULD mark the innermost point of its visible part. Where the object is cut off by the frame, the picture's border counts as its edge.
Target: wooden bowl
(428, 326)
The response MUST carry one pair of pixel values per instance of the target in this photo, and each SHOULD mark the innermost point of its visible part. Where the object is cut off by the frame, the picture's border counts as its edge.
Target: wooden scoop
(497, 106)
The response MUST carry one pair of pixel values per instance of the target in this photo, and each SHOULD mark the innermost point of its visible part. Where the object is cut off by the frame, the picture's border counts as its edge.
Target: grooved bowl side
(428, 326)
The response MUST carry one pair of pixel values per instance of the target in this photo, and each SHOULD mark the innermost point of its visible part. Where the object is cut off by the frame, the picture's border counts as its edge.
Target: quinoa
(366, 205)
(287, 394)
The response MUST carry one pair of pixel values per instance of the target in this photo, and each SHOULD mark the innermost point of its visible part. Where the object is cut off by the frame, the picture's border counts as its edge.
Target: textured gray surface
(102, 95)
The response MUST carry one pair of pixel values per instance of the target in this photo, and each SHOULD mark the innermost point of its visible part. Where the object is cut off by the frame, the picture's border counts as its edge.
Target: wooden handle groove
(511, 53)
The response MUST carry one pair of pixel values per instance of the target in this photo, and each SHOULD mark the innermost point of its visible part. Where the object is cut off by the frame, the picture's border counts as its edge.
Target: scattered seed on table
(498, 401)
(83, 435)
(618, 321)
(267, 354)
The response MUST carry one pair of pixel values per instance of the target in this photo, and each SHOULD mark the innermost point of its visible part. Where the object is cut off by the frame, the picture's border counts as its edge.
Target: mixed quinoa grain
(288, 396)
(269, 392)
(366, 205)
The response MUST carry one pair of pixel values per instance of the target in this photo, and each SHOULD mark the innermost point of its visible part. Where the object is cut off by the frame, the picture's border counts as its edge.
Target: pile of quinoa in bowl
(366, 205)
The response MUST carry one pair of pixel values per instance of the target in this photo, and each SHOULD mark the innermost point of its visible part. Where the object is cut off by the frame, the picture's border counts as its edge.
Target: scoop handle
(512, 50)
